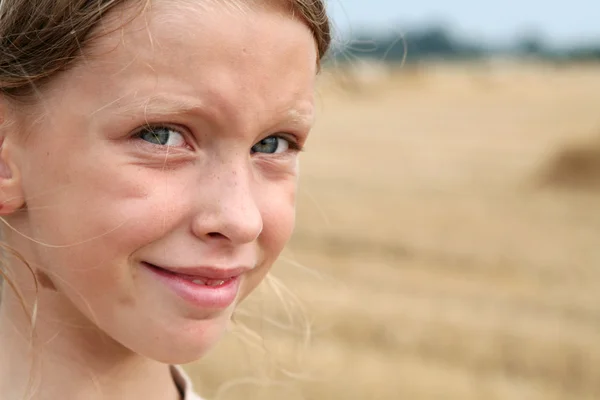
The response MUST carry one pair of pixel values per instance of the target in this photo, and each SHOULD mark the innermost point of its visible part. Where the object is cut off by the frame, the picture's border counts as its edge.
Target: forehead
(230, 57)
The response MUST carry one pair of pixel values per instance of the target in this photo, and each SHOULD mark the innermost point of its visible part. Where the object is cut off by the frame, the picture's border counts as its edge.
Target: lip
(179, 280)
(205, 272)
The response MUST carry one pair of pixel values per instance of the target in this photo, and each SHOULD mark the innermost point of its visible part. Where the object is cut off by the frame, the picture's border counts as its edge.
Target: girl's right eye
(162, 136)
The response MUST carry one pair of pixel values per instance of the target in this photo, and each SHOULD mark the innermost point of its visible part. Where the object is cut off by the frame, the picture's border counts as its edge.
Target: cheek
(103, 216)
(101, 273)
(278, 209)
(278, 212)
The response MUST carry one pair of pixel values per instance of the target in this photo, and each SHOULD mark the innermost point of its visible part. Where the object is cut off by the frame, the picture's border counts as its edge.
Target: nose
(227, 209)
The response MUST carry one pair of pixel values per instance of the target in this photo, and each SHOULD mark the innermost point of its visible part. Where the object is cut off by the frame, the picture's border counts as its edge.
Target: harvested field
(446, 247)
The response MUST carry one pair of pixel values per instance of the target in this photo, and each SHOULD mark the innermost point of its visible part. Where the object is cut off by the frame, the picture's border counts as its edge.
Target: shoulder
(184, 383)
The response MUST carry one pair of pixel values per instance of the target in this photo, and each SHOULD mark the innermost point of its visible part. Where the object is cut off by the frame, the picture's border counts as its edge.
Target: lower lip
(201, 296)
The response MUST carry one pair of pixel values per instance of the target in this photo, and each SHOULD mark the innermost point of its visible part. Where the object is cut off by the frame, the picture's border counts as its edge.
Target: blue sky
(562, 21)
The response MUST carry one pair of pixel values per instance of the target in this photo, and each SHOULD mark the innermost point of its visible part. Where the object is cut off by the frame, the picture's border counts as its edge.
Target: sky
(560, 22)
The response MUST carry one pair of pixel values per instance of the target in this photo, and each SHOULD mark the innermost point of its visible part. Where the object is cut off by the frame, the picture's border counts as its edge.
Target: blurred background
(448, 238)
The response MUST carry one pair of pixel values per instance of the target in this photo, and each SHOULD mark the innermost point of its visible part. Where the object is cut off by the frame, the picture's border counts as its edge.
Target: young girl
(148, 172)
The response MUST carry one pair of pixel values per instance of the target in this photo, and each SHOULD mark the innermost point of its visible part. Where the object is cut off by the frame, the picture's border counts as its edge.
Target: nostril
(215, 234)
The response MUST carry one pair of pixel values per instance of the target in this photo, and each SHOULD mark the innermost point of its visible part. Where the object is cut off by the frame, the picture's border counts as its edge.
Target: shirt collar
(183, 383)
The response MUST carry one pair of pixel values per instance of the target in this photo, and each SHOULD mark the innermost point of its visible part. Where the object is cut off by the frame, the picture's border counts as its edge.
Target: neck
(70, 358)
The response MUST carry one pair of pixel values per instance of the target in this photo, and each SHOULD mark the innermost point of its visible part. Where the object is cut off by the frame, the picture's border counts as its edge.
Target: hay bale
(576, 166)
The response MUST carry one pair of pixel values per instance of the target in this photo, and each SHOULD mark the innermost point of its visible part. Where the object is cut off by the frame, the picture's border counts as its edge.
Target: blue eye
(271, 145)
(162, 136)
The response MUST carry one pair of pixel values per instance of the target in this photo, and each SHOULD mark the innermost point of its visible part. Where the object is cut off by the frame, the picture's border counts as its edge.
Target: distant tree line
(438, 42)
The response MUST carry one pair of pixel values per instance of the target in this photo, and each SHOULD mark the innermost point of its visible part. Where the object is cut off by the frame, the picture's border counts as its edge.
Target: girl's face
(172, 144)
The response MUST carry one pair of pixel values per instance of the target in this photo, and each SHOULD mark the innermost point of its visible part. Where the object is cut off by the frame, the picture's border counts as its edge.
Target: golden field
(447, 245)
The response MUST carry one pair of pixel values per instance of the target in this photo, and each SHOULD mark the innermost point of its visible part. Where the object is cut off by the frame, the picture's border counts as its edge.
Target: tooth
(199, 282)
(215, 283)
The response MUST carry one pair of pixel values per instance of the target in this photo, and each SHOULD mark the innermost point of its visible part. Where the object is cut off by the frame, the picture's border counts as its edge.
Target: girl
(147, 181)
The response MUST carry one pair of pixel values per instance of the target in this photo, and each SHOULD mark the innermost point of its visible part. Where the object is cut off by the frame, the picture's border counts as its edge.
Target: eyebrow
(301, 118)
(158, 105)
(161, 105)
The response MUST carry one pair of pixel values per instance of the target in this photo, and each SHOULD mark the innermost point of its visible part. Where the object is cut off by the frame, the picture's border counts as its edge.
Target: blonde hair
(41, 38)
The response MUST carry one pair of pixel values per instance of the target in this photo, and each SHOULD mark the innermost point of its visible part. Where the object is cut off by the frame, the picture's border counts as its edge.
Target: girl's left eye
(162, 136)
(273, 145)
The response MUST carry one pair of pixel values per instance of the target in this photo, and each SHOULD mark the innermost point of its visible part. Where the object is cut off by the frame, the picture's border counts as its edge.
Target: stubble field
(447, 246)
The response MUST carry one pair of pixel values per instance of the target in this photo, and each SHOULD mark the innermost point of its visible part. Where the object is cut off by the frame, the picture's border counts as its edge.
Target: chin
(185, 344)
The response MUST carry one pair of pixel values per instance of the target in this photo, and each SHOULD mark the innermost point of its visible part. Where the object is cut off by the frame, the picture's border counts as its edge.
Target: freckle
(45, 281)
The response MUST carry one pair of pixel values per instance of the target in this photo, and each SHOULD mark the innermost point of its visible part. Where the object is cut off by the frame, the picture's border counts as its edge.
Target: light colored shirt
(184, 383)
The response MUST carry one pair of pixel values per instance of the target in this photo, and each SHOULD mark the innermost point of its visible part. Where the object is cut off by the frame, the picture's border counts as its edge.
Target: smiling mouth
(205, 288)
(201, 276)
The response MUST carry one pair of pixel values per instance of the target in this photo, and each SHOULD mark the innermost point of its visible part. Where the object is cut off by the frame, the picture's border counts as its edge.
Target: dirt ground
(446, 246)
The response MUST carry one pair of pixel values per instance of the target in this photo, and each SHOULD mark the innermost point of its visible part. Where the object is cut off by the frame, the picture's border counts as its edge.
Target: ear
(12, 197)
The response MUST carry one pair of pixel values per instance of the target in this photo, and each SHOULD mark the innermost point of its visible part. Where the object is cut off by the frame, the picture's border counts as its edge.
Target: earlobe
(11, 191)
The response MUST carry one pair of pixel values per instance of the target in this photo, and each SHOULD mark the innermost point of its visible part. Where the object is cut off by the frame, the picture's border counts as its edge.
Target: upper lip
(206, 271)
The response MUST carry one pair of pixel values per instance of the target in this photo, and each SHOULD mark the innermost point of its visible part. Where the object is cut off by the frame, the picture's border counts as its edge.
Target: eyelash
(293, 144)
